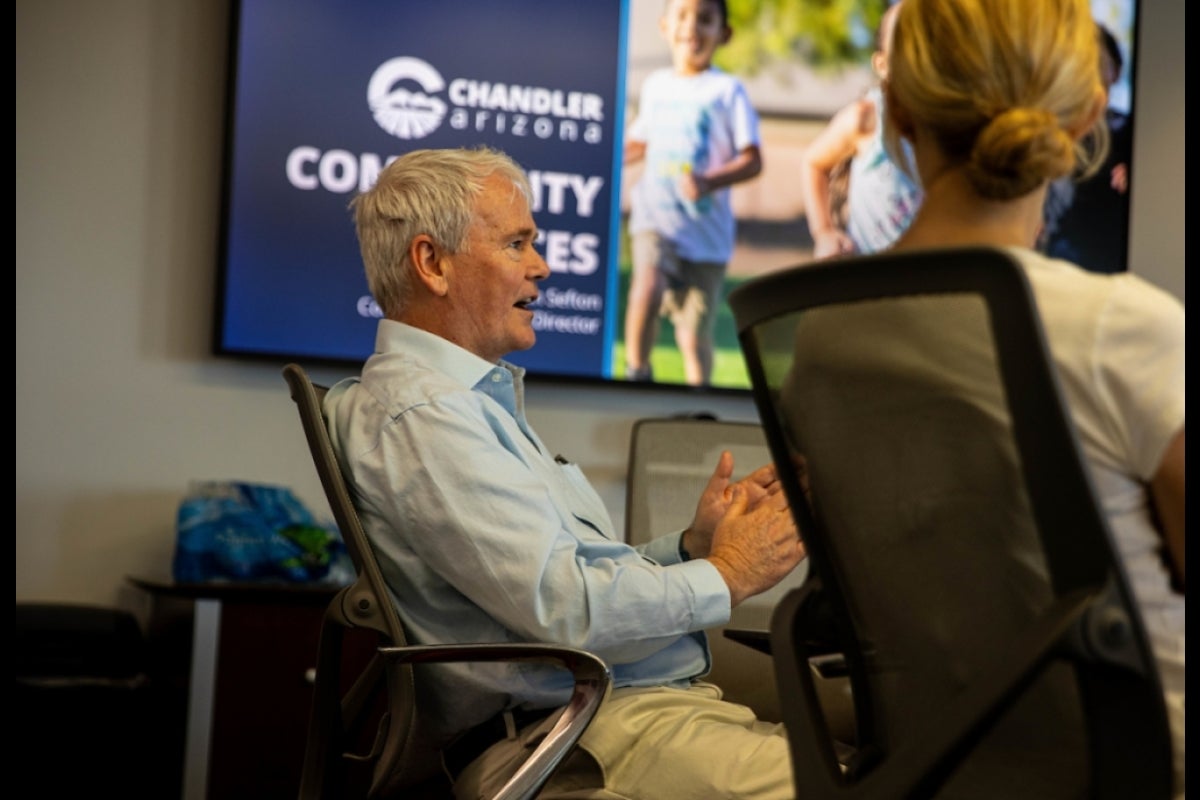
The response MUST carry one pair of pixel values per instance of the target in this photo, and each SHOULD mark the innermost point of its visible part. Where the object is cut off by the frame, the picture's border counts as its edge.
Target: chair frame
(734, 433)
(1094, 625)
(365, 604)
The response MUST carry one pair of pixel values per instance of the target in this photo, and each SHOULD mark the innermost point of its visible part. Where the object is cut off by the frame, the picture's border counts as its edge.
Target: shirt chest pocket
(577, 496)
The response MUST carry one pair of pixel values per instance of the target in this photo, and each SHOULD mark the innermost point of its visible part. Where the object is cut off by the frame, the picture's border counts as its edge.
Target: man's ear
(429, 264)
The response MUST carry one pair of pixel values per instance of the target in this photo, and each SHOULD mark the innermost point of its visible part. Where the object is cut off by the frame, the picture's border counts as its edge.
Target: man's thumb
(738, 497)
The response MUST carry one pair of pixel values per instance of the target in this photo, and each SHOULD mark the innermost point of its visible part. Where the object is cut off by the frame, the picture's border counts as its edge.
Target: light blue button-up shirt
(484, 536)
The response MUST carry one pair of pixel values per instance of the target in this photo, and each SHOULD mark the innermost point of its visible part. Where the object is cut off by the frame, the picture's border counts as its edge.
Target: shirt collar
(460, 364)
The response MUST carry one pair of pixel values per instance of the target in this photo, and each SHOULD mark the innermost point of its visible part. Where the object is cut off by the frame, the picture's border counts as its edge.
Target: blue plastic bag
(237, 531)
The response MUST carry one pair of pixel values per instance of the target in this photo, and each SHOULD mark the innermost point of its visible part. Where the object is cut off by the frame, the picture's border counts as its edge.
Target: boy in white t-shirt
(698, 134)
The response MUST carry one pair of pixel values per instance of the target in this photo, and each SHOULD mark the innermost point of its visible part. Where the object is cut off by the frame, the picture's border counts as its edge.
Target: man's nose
(541, 270)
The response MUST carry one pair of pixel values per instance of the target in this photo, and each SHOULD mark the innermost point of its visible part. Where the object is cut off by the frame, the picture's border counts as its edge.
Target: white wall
(1156, 234)
(118, 404)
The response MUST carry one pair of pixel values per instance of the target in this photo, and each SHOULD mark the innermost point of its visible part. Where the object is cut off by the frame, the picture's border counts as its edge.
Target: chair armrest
(826, 660)
(759, 640)
(593, 680)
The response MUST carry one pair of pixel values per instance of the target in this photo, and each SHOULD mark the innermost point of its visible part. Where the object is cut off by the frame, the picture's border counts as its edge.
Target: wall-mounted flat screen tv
(323, 93)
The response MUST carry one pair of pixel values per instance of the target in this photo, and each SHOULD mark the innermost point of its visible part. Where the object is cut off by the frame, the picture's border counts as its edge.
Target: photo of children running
(696, 134)
(857, 199)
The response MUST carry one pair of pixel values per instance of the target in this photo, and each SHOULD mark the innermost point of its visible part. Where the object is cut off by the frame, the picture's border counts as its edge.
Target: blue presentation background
(291, 272)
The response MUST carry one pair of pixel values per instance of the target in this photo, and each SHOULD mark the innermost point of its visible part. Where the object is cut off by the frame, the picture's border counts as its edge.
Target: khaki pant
(653, 744)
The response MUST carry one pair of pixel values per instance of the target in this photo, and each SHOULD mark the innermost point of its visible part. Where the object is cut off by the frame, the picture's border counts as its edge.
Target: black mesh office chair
(960, 560)
(351, 727)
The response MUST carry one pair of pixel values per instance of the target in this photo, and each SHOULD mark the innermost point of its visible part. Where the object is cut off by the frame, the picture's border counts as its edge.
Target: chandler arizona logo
(482, 106)
(405, 114)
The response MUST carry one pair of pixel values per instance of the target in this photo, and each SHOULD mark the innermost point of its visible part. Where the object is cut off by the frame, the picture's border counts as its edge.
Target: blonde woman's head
(1008, 88)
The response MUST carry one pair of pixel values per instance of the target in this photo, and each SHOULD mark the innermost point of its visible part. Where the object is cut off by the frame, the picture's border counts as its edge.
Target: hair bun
(1017, 151)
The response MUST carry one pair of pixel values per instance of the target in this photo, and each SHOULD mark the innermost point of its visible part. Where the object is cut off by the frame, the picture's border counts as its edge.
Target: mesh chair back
(960, 560)
(364, 604)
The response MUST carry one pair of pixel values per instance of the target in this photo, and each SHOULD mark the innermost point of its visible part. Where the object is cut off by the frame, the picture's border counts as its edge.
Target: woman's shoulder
(1064, 288)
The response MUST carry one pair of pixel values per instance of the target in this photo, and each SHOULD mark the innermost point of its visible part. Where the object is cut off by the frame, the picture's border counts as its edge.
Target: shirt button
(495, 377)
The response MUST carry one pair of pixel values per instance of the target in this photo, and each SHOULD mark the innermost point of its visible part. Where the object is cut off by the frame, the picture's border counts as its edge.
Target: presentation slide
(328, 91)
